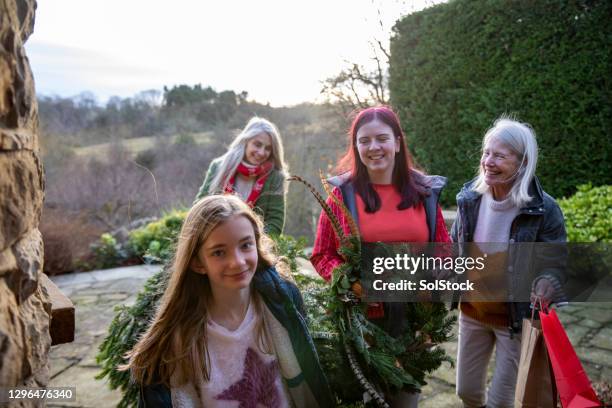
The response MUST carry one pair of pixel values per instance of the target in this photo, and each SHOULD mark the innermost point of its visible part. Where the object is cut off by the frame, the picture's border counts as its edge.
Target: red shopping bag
(573, 384)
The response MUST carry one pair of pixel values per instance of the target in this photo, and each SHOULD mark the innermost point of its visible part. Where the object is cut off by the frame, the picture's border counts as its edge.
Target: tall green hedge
(457, 66)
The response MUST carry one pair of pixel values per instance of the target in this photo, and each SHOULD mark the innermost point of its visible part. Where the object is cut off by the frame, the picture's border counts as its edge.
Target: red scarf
(261, 172)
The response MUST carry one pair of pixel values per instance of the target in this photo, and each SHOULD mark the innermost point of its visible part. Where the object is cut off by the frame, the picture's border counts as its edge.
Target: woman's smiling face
(377, 146)
(258, 149)
(500, 165)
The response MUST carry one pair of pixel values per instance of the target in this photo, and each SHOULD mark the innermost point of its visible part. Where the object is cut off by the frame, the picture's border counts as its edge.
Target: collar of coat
(534, 206)
(435, 183)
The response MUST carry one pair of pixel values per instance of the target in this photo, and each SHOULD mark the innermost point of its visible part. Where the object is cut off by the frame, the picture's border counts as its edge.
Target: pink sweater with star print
(240, 374)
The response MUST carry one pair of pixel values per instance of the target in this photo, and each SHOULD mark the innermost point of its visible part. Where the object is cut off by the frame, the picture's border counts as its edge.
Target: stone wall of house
(24, 304)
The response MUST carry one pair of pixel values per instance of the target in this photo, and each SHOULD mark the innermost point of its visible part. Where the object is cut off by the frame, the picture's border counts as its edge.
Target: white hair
(520, 138)
(235, 154)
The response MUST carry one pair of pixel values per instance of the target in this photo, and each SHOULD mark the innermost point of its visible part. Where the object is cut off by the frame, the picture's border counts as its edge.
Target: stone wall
(24, 304)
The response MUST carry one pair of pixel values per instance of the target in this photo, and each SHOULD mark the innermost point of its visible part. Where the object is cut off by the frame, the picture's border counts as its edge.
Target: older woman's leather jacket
(541, 220)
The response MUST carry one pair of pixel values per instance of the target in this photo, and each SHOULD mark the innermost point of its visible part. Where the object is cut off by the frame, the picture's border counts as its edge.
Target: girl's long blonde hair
(235, 154)
(174, 345)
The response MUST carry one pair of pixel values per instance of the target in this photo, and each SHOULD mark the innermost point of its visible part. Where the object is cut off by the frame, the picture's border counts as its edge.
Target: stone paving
(95, 294)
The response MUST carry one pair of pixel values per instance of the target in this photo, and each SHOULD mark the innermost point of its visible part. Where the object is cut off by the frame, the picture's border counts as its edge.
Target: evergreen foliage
(457, 66)
(155, 241)
(588, 214)
(325, 336)
(107, 252)
(290, 249)
(389, 364)
(152, 243)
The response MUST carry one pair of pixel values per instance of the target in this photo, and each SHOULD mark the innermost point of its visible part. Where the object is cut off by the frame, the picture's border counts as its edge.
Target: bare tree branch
(357, 86)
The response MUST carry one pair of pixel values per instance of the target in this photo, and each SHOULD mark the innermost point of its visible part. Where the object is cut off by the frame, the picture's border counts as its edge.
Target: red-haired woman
(390, 200)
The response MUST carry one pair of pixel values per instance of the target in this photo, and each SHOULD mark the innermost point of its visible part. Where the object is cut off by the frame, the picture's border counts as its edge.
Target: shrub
(108, 253)
(290, 248)
(111, 188)
(66, 238)
(588, 214)
(155, 241)
(146, 158)
(457, 66)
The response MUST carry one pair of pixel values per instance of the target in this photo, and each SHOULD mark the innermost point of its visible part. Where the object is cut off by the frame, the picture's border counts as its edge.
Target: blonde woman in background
(254, 169)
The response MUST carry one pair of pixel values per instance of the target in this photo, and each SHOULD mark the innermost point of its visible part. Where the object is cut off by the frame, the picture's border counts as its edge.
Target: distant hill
(138, 144)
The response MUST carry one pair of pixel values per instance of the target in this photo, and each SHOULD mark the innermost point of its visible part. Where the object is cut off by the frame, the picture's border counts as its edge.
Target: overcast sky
(277, 51)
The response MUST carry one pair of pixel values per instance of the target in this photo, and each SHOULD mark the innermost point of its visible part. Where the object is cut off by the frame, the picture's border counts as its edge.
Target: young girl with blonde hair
(228, 328)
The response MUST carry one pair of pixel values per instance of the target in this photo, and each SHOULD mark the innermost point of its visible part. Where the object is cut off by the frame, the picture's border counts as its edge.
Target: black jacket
(541, 220)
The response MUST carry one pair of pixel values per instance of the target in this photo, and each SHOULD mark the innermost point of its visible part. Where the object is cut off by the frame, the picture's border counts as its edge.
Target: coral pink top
(389, 224)
(325, 256)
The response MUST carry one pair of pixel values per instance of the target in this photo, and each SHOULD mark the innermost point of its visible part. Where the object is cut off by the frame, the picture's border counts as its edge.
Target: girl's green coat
(271, 203)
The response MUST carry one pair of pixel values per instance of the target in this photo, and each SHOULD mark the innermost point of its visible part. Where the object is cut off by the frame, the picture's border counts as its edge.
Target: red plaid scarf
(261, 172)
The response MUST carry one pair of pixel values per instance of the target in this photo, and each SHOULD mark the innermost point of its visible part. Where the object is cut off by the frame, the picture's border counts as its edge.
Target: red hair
(408, 181)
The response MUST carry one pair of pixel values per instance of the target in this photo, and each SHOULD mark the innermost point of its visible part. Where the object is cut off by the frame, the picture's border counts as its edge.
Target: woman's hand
(544, 291)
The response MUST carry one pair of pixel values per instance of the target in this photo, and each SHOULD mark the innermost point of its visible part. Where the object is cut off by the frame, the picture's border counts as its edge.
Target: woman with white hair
(504, 204)
(254, 169)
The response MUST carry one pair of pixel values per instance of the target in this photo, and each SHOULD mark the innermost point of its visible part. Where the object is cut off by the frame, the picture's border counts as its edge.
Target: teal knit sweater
(271, 202)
